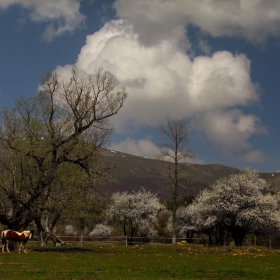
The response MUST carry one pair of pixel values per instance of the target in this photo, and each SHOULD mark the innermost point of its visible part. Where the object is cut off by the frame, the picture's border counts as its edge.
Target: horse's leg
(24, 248)
(7, 246)
(3, 245)
(20, 246)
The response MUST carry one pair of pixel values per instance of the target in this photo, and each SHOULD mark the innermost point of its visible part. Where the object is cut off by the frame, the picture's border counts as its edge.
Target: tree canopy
(50, 140)
(237, 206)
(134, 211)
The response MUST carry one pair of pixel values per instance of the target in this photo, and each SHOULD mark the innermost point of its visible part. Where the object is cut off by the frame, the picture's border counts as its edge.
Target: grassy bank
(141, 262)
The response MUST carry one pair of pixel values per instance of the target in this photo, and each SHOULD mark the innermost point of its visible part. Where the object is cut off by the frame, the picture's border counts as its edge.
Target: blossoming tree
(239, 205)
(133, 211)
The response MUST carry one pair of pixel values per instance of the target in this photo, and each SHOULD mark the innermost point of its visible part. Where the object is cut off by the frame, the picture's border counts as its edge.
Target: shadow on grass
(64, 250)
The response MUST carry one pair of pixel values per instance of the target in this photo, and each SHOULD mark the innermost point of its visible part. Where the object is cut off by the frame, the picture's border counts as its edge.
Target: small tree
(134, 211)
(175, 151)
(238, 205)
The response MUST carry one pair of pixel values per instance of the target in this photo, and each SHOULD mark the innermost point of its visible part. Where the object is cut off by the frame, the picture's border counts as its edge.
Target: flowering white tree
(101, 230)
(240, 204)
(133, 211)
(184, 221)
(195, 218)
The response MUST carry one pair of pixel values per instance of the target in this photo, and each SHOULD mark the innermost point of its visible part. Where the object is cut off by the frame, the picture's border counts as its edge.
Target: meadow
(107, 261)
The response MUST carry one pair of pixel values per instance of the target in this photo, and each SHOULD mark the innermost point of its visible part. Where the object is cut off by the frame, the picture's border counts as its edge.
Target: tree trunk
(43, 238)
(209, 233)
(203, 239)
(82, 231)
(238, 236)
(238, 241)
(45, 228)
(189, 236)
(174, 209)
(43, 232)
(174, 238)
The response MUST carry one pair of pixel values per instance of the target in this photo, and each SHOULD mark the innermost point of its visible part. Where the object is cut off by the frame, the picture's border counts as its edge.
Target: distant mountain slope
(133, 172)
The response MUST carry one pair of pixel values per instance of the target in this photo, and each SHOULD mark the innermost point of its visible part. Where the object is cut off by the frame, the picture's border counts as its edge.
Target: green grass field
(106, 261)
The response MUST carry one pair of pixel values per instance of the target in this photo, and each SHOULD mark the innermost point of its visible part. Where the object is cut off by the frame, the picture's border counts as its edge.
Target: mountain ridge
(131, 173)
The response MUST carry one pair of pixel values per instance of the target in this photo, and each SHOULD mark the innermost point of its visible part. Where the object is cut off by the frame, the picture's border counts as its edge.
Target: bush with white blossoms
(69, 230)
(101, 230)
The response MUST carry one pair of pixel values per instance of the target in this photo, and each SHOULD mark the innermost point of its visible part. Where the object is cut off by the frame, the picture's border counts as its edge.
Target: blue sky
(217, 63)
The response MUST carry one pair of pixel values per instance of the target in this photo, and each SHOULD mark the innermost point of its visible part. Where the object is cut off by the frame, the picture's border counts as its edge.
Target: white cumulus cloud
(60, 16)
(255, 156)
(142, 147)
(221, 81)
(163, 80)
(230, 129)
(146, 49)
(156, 77)
(154, 21)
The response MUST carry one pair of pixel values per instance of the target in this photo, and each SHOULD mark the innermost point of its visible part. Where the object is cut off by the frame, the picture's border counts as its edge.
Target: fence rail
(122, 239)
(266, 242)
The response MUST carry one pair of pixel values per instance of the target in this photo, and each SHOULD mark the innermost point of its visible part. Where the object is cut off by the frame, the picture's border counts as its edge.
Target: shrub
(101, 230)
(69, 230)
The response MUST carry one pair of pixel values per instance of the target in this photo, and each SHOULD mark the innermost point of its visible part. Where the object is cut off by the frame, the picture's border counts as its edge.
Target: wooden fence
(269, 242)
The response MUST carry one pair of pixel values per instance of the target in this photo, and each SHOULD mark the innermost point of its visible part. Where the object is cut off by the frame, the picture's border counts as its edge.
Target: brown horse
(21, 237)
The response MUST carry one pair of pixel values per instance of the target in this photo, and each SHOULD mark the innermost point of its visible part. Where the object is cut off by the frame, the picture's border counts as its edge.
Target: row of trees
(231, 209)
(50, 140)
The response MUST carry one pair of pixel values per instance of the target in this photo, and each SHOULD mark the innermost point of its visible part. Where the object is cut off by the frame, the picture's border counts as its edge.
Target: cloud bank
(163, 80)
(147, 48)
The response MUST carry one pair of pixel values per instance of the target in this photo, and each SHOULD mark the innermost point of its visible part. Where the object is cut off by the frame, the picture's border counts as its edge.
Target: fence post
(255, 241)
(126, 240)
(270, 243)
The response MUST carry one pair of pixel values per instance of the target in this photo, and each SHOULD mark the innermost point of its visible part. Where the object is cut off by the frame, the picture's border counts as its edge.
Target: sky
(215, 62)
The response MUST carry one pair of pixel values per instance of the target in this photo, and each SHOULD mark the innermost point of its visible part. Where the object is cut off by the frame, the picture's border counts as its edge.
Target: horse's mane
(27, 232)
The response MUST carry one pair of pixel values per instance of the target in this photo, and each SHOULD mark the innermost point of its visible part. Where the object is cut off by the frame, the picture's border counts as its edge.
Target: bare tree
(63, 128)
(175, 150)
